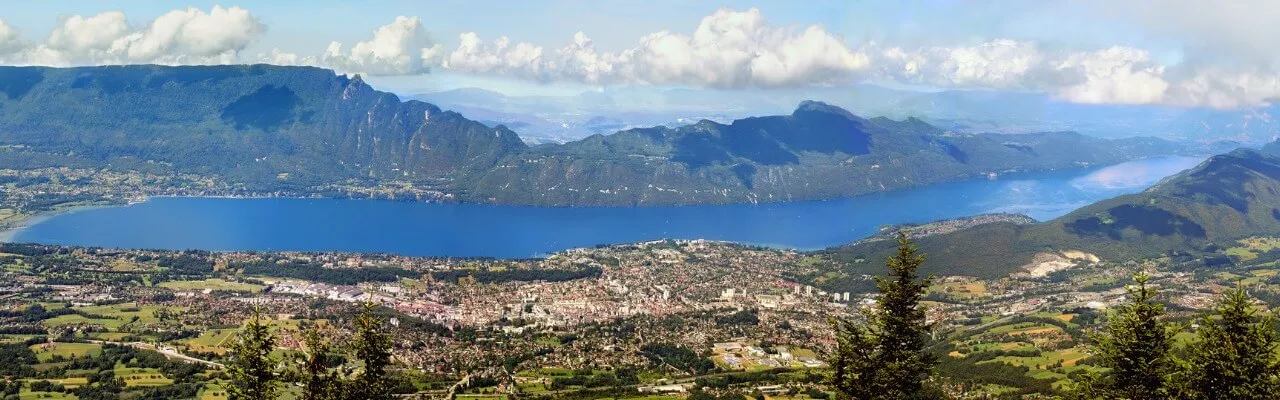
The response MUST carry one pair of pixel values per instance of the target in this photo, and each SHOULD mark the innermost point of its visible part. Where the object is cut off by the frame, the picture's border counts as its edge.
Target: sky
(1183, 53)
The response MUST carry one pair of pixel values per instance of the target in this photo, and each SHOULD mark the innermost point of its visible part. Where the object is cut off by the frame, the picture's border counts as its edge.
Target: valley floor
(663, 316)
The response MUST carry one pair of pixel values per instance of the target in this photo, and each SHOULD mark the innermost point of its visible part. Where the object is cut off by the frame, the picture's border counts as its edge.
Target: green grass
(71, 383)
(110, 336)
(212, 284)
(213, 340)
(1023, 328)
(213, 391)
(142, 377)
(26, 395)
(1046, 360)
(1242, 253)
(15, 338)
(66, 350)
(114, 316)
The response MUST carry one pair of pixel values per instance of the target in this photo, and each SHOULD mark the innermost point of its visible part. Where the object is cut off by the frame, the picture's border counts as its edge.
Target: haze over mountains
(564, 118)
(1228, 197)
(291, 128)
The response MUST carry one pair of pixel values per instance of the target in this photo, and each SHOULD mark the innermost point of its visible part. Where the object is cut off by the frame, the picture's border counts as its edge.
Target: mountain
(273, 128)
(817, 152)
(956, 110)
(247, 123)
(560, 119)
(1192, 214)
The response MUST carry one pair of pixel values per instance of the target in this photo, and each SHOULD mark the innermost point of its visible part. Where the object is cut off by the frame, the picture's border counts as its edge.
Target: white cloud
(88, 36)
(10, 39)
(474, 55)
(277, 57)
(1241, 31)
(218, 34)
(1224, 88)
(1115, 75)
(190, 36)
(401, 47)
(729, 49)
(1002, 64)
(1229, 57)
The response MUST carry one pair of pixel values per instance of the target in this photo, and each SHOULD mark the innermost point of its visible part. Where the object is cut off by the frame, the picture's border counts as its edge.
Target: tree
(373, 348)
(1234, 353)
(251, 370)
(318, 382)
(884, 357)
(1135, 348)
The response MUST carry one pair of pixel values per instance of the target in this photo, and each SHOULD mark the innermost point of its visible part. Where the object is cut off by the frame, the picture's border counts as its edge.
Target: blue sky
(614, 24)
(1174, 52)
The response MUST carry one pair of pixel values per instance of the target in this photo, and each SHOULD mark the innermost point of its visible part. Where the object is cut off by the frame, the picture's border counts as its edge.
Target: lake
(474, 230)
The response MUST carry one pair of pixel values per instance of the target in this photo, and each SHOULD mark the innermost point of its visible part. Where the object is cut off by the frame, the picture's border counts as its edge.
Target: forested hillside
(1228, 197)
(292, 129)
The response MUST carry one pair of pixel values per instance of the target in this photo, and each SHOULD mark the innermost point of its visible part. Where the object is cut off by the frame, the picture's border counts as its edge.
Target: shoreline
(10, 233)
(14, 228)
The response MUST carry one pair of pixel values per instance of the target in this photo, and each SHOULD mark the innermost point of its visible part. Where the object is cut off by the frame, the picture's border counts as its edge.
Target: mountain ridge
(291, 129)
(1227, 197)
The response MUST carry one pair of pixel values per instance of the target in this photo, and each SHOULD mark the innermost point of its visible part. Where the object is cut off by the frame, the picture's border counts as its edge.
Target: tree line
(322, 374)
(1233, 354)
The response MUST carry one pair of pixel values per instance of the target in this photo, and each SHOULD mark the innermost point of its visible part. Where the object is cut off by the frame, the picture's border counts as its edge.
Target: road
(167, 351)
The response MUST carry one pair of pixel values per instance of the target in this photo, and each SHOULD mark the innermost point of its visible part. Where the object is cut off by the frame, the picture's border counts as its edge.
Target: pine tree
(373, 348)
(885, 357)
(1135, 347)
(318, 382)
(1234, 353)
(251, 370)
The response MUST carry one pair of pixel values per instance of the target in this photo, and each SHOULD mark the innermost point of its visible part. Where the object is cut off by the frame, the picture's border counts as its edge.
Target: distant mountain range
(1226, 198)
(567, 117)
(292, 128)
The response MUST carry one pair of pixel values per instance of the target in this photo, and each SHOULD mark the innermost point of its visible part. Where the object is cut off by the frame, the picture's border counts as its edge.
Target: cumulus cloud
(190, 36)
(10, 39)
(1225, 88)
(1228, 60)
(401, 47)
(1000, 64)
(1114, 75)
(729, 49)
(732, 49)
(277, 57)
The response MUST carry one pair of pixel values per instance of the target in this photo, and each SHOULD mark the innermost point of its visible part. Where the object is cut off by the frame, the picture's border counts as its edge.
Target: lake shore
(16, 226)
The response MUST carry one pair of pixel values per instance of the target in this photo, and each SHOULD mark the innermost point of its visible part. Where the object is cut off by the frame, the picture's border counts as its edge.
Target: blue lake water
(472, 230)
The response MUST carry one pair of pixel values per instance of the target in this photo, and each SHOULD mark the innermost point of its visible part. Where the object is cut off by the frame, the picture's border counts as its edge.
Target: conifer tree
(885, 357)
(318, 382)
(1135, 347)
(251, 370)
(372, 347)
(1234, 353)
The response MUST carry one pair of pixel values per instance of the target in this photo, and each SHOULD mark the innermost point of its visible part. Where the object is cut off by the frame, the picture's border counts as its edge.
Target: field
(66, 350)
(1025, 328)
(15, 338)
(1250, 248)
(960, 288)
(142, 377)
(212, 284)
(1046, 360)
(212, 341)
(213, 391)
(113, 316)
(109, 336)
(44, 396)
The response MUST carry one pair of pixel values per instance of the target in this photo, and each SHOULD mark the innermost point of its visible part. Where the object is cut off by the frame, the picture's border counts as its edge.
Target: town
(671, 317)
